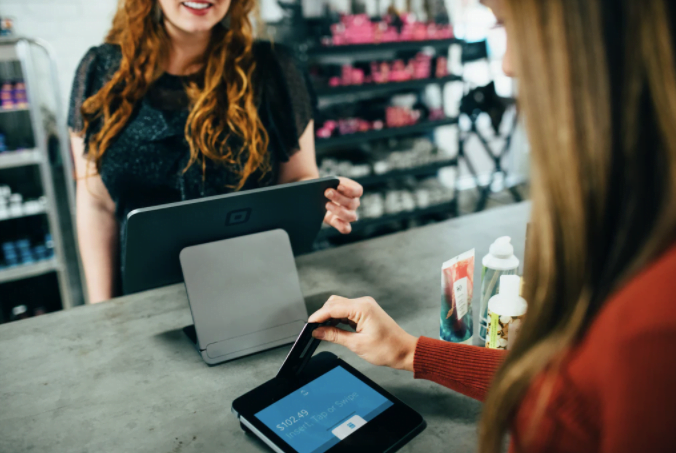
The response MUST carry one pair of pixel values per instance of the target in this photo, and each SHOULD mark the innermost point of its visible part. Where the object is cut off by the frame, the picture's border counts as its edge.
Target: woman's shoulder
(102, 59)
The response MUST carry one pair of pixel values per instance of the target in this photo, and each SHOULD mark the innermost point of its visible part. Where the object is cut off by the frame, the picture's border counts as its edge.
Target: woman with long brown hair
(594, 367)
(181, 102)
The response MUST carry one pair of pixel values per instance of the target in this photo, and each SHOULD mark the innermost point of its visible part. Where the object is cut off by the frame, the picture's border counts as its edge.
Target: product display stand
(244, 305)
(17, 56)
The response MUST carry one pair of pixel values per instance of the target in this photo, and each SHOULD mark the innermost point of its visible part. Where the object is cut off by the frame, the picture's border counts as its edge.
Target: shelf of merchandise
(29, 270)
(22, 52)
(351, 49)
(22, 216)
(13, 159)
(361, 137)
(398, 174)
(442, 208)
(17, 109)
(325, 91)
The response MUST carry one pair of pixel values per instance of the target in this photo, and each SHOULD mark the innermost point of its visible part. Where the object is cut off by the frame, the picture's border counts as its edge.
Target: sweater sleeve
(638, 395)
(465, 369)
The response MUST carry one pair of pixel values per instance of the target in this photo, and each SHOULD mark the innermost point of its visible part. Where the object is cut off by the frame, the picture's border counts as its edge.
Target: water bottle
(499, 261)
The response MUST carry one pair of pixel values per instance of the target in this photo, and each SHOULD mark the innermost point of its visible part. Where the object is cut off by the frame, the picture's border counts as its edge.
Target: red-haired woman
(181, 102)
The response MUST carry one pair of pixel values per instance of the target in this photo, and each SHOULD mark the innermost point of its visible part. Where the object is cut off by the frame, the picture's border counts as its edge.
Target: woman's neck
(186, 50)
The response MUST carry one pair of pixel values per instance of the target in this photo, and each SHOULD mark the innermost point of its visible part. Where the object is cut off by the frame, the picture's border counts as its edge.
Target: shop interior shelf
(351, 49)
(41, 211)
(448, 207)
(14, 109)
(398, 174)
(11, 159)
(325, 91)
(27, 271)
(361, 137)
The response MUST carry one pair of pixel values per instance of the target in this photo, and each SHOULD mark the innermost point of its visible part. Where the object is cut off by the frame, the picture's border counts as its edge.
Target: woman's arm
(379, 340)
(342, 209)
(97, 228)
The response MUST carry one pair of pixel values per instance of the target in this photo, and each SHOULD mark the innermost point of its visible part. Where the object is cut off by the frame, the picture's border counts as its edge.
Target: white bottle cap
(510, 285)
(502, 247)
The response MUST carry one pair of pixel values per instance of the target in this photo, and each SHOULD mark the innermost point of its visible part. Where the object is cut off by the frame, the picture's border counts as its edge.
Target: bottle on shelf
(19, 312)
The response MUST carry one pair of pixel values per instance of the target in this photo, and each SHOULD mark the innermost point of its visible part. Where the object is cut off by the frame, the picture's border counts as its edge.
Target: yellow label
(502, 330)
(493, 328)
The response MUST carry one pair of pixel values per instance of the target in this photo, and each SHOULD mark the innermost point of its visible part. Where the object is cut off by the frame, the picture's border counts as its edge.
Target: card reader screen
(317, 416)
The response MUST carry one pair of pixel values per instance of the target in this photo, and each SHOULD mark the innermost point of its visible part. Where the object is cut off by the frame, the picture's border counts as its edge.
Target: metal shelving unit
(398, 174)
(361, 137)
(395, 46)
(361, 225)
(20, 53)
(383, 87)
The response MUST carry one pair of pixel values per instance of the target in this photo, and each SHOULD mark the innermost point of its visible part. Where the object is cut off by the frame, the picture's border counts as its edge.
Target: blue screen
(317, 416)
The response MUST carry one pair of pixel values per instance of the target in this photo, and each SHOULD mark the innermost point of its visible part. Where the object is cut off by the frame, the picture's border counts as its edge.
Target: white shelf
(41, 211)
(16, 109)
(28, 271)
(11, 159)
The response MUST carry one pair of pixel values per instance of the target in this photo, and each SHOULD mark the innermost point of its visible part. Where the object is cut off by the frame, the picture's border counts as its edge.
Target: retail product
(19, 312)
(505, 313)
(499, 261)
(3, 143)
(360, 29)
(6, 97)
(457, 285)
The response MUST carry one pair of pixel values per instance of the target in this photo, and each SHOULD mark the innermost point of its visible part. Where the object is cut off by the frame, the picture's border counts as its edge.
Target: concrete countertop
(121, 376)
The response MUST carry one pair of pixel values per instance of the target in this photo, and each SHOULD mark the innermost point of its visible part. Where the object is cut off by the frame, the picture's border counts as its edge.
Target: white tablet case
(244, 295)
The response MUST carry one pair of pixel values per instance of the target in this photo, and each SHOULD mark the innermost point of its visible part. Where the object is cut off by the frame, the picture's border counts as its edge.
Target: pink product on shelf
(436, 114)
(442, 67)
(358, 29)
(335, 82)
(6, 96)
(401, 116)
(19, 95)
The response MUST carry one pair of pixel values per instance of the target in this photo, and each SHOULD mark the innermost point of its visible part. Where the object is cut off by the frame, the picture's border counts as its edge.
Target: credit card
(301, 351)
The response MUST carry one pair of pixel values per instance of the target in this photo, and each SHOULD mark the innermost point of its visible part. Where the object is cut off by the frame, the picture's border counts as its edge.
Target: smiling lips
(197, 7)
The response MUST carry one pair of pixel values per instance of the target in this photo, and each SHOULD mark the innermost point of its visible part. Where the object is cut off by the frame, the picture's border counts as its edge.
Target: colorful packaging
(506, 311)
(457, 286)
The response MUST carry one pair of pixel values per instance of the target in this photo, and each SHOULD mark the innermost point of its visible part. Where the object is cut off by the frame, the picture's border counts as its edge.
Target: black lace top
(144, 164)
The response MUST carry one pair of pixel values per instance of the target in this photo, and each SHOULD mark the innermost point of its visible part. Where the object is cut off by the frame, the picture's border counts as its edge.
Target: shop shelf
(351, 49)
(361, 137)
(41, 211)
(17, 109)
(12, 159)
(382, 87)
(398, 174)
(447, 207)
(27, 271)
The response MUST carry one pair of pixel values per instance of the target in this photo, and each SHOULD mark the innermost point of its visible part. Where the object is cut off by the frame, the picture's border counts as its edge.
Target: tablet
(330, 407)
(156, 235)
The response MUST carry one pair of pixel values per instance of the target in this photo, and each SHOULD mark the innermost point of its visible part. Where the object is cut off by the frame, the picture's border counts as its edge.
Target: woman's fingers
(340, 199)
(342, 226)
(341, 212)
(334, 335)
(349, 188)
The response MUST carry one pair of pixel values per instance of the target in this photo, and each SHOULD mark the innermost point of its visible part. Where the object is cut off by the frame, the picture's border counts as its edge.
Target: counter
(121, 377)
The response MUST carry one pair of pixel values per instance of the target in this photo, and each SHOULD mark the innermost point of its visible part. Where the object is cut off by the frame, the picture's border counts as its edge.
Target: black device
(322, 405)
(157, 235)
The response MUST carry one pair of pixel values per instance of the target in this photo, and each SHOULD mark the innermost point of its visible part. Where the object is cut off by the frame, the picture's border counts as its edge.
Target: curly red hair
(224, 107)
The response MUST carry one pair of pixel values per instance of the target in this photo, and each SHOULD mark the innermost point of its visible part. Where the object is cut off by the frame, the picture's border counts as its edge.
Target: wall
(70, 26)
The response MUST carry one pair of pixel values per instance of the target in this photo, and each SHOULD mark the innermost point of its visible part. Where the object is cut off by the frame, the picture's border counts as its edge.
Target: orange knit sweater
(616, 392)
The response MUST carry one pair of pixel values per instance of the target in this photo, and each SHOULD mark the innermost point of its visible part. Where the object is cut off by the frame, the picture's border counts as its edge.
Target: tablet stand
(244, 295)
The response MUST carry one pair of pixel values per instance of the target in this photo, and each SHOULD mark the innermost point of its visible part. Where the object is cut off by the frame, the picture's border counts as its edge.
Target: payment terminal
(321, 404)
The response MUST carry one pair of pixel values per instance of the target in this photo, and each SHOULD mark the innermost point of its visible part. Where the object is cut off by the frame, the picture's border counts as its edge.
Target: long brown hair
(598, 89)
(224, 107)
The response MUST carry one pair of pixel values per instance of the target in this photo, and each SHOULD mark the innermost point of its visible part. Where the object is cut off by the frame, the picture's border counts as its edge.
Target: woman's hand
(342, 209)
(377, 338)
